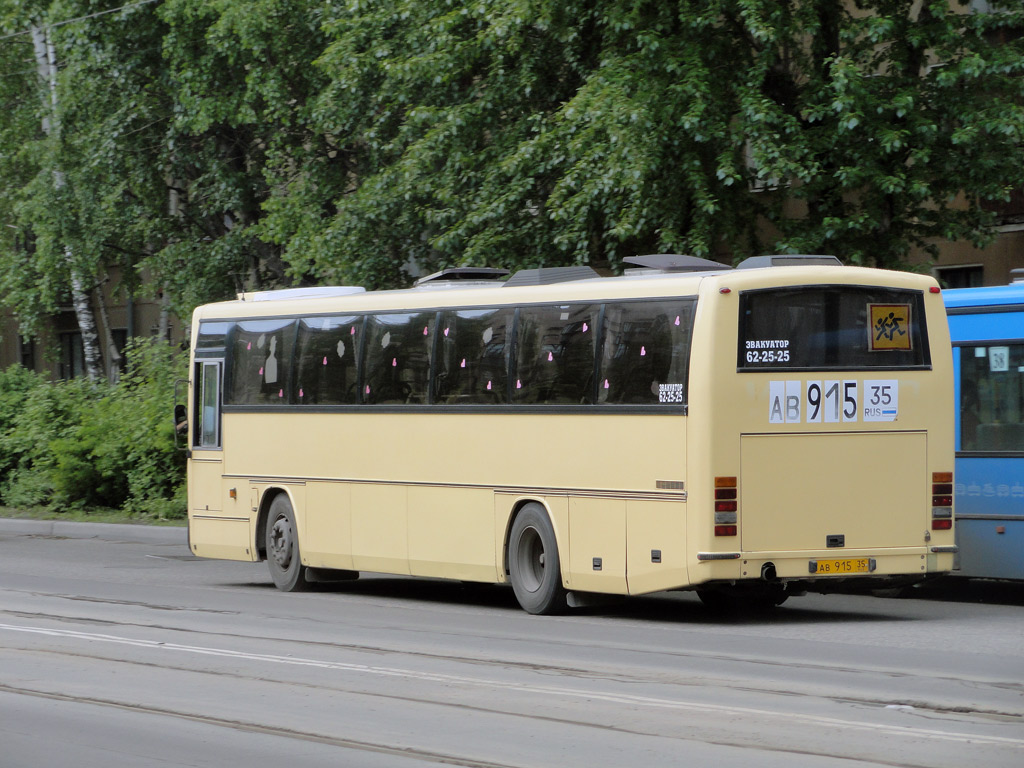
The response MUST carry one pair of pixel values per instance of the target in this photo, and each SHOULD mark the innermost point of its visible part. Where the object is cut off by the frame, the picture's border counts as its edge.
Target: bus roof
(991, 296)
(651, 284)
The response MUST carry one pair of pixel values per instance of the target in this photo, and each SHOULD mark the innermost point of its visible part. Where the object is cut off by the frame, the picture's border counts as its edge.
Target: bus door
(206, 456)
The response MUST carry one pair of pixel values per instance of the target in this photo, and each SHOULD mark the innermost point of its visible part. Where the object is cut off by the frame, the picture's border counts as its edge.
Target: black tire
(286, 568)
(533, 564)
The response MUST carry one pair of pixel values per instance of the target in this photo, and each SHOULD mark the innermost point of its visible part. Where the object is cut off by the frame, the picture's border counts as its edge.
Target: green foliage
(528, 133)
(74, 444)
(223, 146)
(88, 468)
(153, 467)
(239, 79)
(18, 390)
(50, 412)
(891, 126)
(217, 146)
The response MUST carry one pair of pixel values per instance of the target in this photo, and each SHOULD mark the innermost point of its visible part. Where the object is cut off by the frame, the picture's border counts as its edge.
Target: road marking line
(576, 693)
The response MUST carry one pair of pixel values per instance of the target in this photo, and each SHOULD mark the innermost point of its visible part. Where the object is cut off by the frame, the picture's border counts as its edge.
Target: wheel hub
(531, 560)
(280, 543)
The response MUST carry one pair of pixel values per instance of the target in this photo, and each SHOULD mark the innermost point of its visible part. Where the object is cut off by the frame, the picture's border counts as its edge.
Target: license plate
(850, 565)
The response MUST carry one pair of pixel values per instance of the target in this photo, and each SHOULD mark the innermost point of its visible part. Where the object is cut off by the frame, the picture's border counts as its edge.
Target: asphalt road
(118, 648)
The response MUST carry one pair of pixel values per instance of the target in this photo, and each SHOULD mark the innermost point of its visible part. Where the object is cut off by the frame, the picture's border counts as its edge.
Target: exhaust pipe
(768, 572)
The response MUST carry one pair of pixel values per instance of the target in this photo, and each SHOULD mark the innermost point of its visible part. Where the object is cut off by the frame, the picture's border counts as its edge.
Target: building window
(27, 352)
(72, 355)
(960, 277)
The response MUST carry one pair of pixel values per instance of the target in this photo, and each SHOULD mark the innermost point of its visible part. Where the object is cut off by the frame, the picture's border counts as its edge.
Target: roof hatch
(550, 275)
(789, 260)
(463, 275)
(673, 262)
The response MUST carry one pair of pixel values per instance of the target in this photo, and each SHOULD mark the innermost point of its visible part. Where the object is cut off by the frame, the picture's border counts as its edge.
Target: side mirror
(180, 426)
(180, 416)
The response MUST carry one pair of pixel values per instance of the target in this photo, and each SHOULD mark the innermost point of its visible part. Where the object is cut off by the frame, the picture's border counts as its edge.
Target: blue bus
(986, 327)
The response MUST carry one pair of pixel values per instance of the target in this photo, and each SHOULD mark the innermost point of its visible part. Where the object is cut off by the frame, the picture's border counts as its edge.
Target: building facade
(57, 349)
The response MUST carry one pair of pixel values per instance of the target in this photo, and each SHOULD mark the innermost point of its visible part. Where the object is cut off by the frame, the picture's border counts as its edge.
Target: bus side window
(327, 360)
(261, 362)
(397, 358)
(472, 365)
(645, 354)
(992, 398)
(555, 354)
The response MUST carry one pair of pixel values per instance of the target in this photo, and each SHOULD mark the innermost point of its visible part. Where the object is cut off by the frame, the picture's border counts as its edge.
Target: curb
(60, 529)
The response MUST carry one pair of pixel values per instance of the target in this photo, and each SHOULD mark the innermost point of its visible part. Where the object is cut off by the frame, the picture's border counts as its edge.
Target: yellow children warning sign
(890, 327)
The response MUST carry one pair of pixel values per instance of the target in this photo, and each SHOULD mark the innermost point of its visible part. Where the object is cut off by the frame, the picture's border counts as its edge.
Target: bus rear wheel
(533, 563)
(282, 539)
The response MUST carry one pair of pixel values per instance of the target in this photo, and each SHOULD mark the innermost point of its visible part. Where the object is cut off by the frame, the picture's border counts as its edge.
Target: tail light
(942, 501)
(726, 506)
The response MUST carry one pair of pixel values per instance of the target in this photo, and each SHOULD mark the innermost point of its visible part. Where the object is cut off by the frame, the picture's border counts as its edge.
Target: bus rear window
(832, 328)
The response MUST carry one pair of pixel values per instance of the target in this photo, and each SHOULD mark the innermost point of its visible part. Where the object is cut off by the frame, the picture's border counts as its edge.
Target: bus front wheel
(533, 563)
(283, 547)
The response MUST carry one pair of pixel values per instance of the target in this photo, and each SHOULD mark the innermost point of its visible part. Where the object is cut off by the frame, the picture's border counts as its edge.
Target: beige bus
(749, 433)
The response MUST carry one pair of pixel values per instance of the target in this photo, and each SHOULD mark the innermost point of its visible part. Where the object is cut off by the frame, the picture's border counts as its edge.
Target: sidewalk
(147, 534)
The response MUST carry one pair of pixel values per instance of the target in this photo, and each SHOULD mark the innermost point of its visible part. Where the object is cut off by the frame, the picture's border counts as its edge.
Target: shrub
(49, 412)
(91, 467)
(82, 444)
(155, 469)
(17, 385)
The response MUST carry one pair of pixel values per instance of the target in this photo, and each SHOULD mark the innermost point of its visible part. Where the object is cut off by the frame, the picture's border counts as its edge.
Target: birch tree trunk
(46, 63)
(113, 357)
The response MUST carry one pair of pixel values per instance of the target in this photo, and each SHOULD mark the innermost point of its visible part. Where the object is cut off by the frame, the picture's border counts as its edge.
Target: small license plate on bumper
(840, 567)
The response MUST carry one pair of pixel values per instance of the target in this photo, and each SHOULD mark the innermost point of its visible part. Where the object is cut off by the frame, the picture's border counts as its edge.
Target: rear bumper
(887, 565)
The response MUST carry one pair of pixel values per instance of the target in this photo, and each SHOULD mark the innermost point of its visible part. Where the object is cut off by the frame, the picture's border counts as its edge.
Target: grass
(86, 516)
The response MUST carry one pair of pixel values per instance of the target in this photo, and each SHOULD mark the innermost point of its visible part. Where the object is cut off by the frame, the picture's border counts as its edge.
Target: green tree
(172, 116)
(66, 195)
(889, 122)
(241, 79)
(227, 146)
(530, 132)
(31, 282)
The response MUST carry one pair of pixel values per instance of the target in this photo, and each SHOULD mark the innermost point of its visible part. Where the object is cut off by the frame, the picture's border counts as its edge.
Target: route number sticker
(998, 359)
(832, 401)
